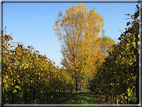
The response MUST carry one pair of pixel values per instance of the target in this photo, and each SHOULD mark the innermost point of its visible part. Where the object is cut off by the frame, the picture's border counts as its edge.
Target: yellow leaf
(14, 91)
(17, 87)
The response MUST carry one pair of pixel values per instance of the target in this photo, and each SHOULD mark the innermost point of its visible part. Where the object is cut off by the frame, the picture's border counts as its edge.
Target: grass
(80, 98)
(86, 89)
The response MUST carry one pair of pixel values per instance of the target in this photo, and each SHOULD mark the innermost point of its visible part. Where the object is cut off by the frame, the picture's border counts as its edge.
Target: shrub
(133, 100)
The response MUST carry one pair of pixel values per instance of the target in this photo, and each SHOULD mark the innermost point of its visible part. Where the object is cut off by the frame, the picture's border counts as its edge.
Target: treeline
(25, 71)
(118, 75)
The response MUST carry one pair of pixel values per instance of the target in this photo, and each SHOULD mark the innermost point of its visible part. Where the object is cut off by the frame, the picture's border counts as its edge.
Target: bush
(133, 100)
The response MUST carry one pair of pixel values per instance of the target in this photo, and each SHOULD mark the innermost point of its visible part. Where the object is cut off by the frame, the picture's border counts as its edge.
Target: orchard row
(118, 74)
(24, 69)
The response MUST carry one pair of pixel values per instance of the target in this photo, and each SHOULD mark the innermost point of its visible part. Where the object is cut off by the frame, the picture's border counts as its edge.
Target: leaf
(15, 91)
(17, 87)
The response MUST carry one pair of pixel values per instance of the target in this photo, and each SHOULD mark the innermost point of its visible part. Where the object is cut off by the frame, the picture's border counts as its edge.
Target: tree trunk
(77, 87)
(99, 96)
(59, 92)
(137, 89)
(12, 98)
(127, 99)
(117, 101)
(70, 91)
(111, 99)
(137, 70)
(106, 98)
(80, 85)
(51, 95)
(54, 94)
(34, 97)
(82, 82)
(46, 95)
(25, 96)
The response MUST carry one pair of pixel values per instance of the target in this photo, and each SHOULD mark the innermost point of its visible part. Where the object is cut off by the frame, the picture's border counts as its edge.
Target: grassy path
(77, 97)
(80, 98)
(86, 97)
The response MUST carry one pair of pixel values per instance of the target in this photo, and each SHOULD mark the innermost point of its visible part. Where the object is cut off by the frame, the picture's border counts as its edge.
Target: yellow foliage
(79, 29)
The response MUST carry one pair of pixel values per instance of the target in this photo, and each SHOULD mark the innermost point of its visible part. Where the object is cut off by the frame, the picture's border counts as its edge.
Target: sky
(31, 23)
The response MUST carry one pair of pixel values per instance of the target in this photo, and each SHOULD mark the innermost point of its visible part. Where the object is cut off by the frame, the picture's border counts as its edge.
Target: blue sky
(31, 23)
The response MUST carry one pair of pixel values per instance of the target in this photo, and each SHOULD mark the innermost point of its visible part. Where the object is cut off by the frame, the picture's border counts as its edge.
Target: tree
(118, 75)
(78, 30)
(131, 35)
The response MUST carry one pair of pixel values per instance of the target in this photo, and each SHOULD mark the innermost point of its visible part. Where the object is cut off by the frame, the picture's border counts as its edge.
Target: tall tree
(79, 32)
